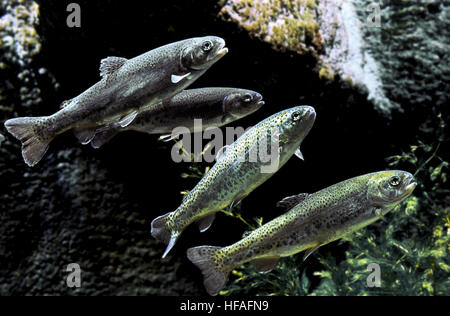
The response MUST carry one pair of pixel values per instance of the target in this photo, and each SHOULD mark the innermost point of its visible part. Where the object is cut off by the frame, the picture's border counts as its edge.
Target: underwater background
(381, 94)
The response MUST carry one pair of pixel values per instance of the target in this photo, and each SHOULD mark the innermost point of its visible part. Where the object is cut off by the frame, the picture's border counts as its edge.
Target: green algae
(287, 25)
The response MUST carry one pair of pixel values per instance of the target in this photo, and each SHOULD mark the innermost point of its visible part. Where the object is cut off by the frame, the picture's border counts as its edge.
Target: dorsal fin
(221, 153)
(291, 201)
(110, 65)
(65, 104)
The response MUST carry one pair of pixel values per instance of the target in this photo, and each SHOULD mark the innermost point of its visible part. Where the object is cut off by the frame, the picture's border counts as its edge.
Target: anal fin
(205, 223)
(85, 136)
(309, 251)
(265, 264)
(103, 136)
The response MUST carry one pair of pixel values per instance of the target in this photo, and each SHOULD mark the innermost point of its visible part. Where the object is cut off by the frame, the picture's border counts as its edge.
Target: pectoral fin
(168, 137)
(176, 78)
(265, 264)
(126, 120)
(205, 223)
(299, 154)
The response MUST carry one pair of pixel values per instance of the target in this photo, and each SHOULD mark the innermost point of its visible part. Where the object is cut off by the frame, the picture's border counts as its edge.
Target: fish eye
(207, 46)
(247, 97)
(394, 181)
(296, 116)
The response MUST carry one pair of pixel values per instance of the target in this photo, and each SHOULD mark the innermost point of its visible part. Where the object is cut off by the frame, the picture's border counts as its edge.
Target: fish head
(295, 123)
(241, 103)
(202, 52)
(386, 189)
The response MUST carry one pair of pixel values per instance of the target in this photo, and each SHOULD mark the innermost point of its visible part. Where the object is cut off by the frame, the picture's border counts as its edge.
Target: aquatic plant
(410, 244)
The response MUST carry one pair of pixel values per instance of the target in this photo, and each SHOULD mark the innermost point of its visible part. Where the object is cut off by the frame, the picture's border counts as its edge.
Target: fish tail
(209, 260)
(162, 232)
(34, 146)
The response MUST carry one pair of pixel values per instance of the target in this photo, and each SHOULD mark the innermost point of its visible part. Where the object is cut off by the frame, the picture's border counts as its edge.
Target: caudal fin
(209, 261)
(161, 231)
(34, 147)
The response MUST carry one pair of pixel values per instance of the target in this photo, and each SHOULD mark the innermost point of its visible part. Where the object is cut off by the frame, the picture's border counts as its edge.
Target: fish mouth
(259, 100)
(222, 52)
(218, 55)
(410, 187)
(310, 113)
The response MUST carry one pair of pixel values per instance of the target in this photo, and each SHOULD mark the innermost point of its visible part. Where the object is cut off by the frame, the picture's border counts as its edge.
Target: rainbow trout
(314, 220)
(127, 87)
(237, 172)
(214, 106)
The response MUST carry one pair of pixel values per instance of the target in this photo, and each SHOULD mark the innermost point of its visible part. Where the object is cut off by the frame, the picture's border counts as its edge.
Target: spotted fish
(238, 172)
(312, 221)
(127, 87)
(213, 106)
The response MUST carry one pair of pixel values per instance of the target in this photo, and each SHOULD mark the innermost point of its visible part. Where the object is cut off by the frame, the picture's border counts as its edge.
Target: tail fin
(161, 231)
(34, 147)
(103, 137)
(206, 258)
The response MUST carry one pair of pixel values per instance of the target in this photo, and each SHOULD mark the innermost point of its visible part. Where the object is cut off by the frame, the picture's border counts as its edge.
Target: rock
(394, 61)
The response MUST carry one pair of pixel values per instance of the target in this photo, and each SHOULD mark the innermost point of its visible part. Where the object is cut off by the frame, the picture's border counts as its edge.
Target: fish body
(214, 106)
(236, 174)
(314, 220)
(127, 87)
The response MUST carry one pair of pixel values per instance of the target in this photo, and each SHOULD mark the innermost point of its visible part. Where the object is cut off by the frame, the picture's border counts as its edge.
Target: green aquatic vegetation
(410, 244)
(286, 24)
